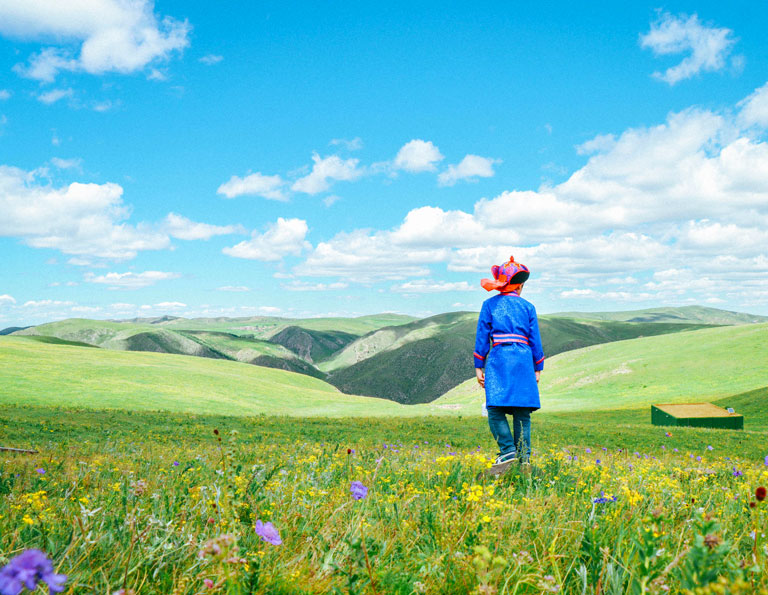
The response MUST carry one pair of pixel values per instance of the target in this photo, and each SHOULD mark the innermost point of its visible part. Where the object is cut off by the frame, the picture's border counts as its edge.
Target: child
(510, 371)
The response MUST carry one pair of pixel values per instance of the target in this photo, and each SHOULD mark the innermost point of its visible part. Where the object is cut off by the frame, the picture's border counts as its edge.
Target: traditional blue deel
(508, 346)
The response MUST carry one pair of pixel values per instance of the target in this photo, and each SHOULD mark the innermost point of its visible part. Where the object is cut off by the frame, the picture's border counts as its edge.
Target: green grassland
(684, 314)
(42, 374)
(158, 503)
(694, 366)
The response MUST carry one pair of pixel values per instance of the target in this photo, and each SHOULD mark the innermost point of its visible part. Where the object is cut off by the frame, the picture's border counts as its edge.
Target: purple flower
(268, 533)
(698, 458)
(597, 462)
(175, 463)
(588, 451)
(737, 473)
(358, 490)
(603, 499)
(27, 570)
(675, 450)
(41, 471)
(766, 461)
(709, 447)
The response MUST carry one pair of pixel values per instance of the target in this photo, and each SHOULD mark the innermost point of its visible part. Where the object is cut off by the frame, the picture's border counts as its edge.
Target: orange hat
(507, 277)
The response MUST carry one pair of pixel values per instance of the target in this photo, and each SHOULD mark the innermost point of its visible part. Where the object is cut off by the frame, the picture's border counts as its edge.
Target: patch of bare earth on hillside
(450, 406)
(622, 369)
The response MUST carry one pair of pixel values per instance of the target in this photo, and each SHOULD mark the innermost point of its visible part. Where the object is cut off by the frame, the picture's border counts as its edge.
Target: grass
(701, 365)
(43, 374)
(160, 503)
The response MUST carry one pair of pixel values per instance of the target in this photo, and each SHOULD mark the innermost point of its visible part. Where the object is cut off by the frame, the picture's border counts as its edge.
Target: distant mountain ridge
(683, 314)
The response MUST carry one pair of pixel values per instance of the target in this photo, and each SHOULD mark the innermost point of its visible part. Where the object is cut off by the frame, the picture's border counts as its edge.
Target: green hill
(312, 345)
(35, 373)
(684, 314)
(703, 365)
(419, 361)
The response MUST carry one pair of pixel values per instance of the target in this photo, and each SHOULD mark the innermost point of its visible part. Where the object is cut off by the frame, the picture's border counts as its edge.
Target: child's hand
(538, 376)
(480, 372)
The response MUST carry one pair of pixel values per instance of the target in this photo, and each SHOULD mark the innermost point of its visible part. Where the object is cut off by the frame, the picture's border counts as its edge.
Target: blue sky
(349, 159)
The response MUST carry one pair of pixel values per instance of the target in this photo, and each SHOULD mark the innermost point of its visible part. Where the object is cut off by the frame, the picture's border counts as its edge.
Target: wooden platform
(703, 415)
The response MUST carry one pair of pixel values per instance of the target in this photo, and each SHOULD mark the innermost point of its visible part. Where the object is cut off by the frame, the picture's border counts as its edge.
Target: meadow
(159, 502)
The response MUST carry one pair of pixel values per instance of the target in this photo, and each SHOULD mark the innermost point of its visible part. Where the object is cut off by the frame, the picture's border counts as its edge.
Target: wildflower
(603, 499)
(737, 473)
(709, 447)
(765, 461)
(208, 583)
(711, 540)
(175, 463)
(268, 533)
(698, 459)
(588, 451)
(41, 471)
(349, 451)
(597, 461)
(27, 570)
(668, 434)
(358, 490)
(760, 493)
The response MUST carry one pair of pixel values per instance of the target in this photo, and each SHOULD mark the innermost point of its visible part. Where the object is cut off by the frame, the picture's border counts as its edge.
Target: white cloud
(114, 35)
(304, 286)
(270, 187)
(472, 166)
(46, 303)
(180, 227)
(78, 219)
(330, 199)
(66, 163)
(130, 280)
(170, 305)
(417, 156)
(690, 193)
(86, 309)
(269, 310)
(211, 59)
(234, 288)
(325, 171)
(7, 299)
(55, 95)
(122, 307)
(429, 286)
(4, 94)
(282, 238)
(354, 144)
(599, 144)
(709, 47)
(754, 109)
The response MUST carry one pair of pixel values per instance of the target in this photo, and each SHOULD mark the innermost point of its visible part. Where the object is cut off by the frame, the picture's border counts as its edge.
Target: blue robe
(508, 346)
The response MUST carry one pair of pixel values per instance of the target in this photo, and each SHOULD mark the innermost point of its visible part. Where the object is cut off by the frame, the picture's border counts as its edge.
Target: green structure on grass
(700, 415)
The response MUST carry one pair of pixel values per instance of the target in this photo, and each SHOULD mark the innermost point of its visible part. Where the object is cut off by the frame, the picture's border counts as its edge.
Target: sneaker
(505, 458)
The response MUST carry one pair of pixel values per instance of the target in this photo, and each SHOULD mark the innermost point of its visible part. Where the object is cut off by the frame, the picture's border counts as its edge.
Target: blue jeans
(521, 421)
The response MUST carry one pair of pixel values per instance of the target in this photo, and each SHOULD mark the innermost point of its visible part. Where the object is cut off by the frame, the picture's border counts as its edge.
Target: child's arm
(535, 338)
(482, 342)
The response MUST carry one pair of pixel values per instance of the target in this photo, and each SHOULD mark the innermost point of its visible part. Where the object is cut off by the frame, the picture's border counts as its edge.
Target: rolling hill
(37, 373)
(684, 314)
(703, 365)
(419, 361)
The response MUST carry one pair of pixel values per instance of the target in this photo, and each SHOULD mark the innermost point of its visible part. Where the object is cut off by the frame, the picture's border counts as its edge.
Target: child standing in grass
(509, 359)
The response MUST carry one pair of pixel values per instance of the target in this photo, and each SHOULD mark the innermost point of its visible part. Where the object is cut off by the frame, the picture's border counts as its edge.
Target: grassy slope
(40, 374)
(312, 345)
(685, 314)
(419, 361)
(701, 365)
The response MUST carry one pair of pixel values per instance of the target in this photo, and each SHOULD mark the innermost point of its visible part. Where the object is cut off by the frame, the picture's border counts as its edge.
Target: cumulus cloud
(472, 166)
(234, 288)
(427, 286)
(180, 227)
(78, 219)
(6, 299)
(352, 144)
(325, 171)
(754, 109)
(73, 163)
(417, 156)
(304, 286)
(46, 303)
(211, 59)
(270, 187)
(690, 193)
(4, 94)
(55, 95)
(112, 35)
(282, 238)
(170, 305)
(708, 47)
(130, 280)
